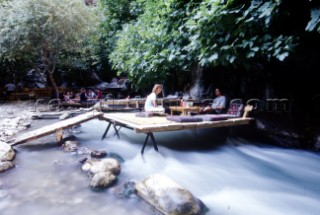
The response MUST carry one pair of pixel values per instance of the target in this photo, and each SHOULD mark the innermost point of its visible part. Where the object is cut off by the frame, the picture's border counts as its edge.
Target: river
(232, 176)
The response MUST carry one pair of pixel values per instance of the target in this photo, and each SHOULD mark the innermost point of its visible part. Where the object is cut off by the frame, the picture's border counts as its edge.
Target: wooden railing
(34, 93)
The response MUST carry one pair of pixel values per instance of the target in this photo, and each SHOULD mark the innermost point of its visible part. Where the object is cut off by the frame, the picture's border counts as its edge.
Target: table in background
(184, 110)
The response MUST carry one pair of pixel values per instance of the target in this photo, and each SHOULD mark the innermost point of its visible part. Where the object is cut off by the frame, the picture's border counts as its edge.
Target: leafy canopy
(30, 29)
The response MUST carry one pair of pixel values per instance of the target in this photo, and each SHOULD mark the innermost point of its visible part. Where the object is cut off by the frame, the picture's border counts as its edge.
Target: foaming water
(230, 175)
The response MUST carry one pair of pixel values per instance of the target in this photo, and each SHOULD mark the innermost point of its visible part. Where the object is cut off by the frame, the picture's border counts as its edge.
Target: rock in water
(168, 197)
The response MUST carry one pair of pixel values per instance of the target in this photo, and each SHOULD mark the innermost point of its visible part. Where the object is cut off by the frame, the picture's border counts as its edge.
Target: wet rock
(22, 128)
(70, 146)
(6, 152)
(93, 166)
(5, 165)
(67, 137)
(84, 151)
(26, 124)
(98, 154)
(168, 197)
(127, 189)
(9, 133)
(102, 172)
(83, 160)
(103, 180)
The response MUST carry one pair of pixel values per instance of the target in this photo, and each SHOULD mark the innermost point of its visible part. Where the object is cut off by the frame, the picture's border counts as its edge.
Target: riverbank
(15, 117)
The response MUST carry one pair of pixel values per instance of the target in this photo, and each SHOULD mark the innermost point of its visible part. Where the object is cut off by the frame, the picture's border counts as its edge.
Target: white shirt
(151, 100)
(219, 102)
(149, 105)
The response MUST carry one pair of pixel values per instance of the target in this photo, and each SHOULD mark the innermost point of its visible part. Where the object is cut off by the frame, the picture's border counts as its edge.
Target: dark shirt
(83, 97)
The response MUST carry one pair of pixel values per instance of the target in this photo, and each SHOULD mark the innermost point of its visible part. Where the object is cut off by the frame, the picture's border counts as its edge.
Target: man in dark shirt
(83, 96)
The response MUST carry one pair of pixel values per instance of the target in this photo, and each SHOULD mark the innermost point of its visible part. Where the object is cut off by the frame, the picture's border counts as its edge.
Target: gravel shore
(15, 117)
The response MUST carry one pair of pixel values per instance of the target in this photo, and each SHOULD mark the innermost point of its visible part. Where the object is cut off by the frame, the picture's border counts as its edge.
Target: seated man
(218, 105)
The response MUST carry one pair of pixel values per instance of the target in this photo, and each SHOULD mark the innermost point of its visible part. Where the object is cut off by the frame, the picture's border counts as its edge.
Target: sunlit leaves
(314, 23)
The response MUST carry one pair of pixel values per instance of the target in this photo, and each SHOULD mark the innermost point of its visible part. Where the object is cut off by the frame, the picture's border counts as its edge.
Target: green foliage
(171, 37)
(151, 47)
(234, 33)
(36, 29)
(115, 14)
(154, 40)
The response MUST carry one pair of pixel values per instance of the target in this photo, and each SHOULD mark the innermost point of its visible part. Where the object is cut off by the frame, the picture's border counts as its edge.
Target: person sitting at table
(83, 96)
(151, 103)
(218, 105)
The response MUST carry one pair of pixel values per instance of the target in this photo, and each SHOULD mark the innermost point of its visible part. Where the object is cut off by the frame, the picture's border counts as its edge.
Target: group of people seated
(83, 96)
(218, 105)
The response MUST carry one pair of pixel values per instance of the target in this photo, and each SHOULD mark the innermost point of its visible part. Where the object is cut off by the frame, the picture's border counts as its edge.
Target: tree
(150, 48)
(177, 36)
(115, 14)
(41, 30)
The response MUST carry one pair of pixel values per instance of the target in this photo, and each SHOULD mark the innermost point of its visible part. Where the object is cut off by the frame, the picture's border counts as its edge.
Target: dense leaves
(169, 37)
(48, 32)
(152, 46)
(155, 40)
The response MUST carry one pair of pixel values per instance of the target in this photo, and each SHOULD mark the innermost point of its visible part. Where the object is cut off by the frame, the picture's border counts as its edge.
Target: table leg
(146, 141)
(105, 133)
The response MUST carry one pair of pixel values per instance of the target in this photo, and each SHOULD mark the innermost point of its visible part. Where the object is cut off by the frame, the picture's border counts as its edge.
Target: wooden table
(184, 109)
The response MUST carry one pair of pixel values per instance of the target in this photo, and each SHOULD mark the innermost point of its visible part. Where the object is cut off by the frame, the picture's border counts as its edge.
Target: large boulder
(103, 172)
(168, 197)
(6, 152)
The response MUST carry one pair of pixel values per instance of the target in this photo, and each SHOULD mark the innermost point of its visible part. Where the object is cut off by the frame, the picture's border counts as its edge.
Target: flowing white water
(230, 175)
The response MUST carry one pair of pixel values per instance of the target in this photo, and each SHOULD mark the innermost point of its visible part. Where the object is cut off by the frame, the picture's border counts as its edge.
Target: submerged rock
(168, 197)
(127, 189)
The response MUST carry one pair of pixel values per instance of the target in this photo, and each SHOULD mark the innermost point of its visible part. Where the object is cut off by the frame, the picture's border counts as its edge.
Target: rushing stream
(230, 175)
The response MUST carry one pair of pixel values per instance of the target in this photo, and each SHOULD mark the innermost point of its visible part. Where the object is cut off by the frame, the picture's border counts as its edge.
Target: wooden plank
(55, 127)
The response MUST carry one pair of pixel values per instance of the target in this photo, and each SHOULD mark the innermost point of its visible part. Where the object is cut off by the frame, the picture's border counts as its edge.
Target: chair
(206, 102)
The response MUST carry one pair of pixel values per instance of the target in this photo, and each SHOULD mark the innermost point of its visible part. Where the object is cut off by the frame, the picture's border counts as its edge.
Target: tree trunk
(48, 60)
(54, 85)
(196, 89)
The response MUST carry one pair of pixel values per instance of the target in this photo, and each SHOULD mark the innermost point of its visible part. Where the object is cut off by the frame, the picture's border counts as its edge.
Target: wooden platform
(149, 125)
(55, 128)
(160, 123)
